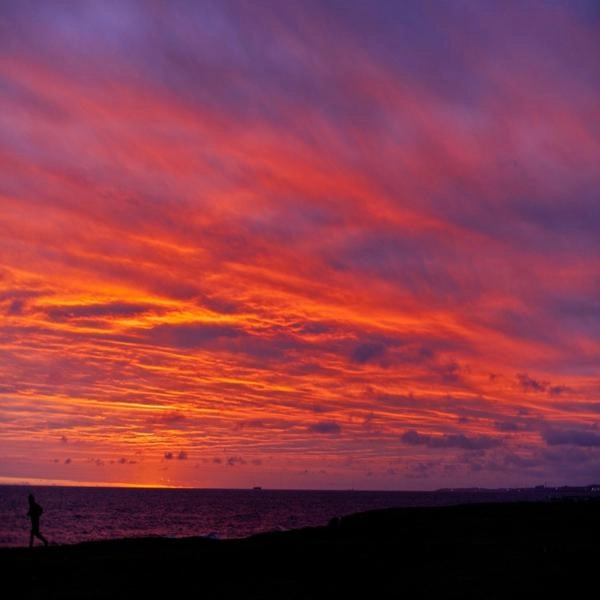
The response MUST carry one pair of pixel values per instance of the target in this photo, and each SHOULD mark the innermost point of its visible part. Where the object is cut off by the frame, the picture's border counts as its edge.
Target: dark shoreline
(504, 550)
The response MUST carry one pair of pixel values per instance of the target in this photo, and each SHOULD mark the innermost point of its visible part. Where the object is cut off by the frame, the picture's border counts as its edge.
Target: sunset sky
(316, 244)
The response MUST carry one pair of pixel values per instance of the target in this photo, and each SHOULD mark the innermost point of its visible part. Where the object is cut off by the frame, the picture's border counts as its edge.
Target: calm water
(73, 514)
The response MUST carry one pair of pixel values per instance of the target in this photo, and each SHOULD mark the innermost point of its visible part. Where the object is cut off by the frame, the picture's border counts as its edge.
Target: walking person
(34, 513)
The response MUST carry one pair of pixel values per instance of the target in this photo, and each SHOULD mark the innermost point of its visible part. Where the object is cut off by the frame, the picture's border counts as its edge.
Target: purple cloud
(463, 442)
(574, 437)
(325, 427)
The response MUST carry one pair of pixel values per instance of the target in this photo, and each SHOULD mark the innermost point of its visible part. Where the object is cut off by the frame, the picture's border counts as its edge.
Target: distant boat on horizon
(257, 488)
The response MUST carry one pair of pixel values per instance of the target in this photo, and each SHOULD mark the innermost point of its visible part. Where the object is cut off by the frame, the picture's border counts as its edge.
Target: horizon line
(9, 481)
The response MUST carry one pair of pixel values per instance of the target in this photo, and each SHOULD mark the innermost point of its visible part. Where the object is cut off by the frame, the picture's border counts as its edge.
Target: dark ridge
(504, 550)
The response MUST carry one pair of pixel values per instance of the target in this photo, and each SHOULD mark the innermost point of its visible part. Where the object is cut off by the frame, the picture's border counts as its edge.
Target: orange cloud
(353, 252)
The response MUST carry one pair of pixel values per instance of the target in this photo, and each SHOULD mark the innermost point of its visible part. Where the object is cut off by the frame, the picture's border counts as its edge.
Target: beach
(504, 550)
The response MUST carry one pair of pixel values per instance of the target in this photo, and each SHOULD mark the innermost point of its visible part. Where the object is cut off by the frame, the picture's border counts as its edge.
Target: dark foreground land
(528, 550)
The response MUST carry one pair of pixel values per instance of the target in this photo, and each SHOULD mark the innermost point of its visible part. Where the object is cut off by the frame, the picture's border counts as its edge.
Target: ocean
(78, 514)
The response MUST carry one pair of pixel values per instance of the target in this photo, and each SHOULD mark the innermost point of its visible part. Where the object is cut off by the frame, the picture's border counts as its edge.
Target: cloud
(181, 455)
(240, 228)
(17, 302)
(250, 424)
(520, 423)
(269, 424)
(557, 390)
(528, 384)
(423, 470)
(574, 437)
(170, 419)
(325, 427)
(413, 438)
(87, 311)
(507, 426)
(368, 352)
(192, 335)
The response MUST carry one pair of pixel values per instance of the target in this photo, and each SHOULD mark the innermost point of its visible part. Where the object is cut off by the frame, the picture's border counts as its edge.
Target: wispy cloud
(248, 232)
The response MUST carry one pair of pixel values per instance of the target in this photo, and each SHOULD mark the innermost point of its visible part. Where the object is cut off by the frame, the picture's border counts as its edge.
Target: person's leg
(41, 537)
(35, 532)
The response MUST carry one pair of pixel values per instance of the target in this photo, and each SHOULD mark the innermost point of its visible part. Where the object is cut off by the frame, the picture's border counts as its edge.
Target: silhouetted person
(34, 513)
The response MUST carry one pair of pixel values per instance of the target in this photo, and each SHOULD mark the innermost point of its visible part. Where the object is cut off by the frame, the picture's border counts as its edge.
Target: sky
(330, 244)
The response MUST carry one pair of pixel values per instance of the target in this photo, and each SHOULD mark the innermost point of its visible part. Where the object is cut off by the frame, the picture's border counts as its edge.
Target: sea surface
(77, 514)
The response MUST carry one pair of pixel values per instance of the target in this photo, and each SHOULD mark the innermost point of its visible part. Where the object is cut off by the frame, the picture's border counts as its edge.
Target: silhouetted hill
(505, 550)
